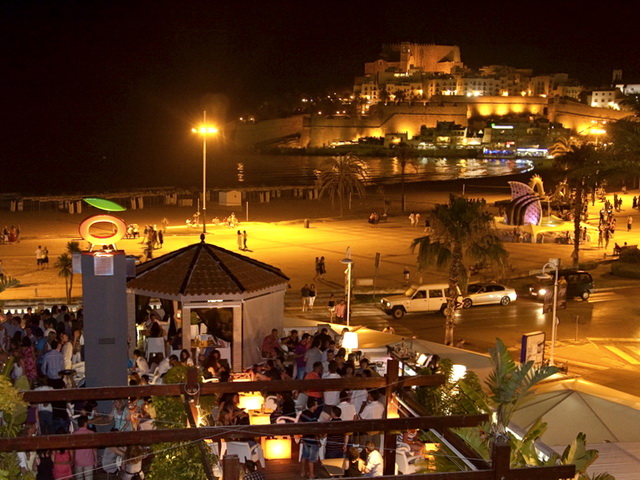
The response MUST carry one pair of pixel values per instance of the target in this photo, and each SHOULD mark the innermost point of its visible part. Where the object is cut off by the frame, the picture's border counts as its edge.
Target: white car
(417, 299)
(488, 293)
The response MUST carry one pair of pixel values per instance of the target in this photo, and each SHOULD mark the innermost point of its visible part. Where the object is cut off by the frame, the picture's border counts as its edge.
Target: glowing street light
(204, 130)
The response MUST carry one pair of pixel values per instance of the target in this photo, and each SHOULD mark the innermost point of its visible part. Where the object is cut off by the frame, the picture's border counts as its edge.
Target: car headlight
(542, 291)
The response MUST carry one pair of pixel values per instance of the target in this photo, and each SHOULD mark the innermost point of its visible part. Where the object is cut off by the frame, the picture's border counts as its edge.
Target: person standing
(331, 306)
(85, 460)
(629, 223)
(341, 311)
(317, 269)
(45, 257)
(304, 295)
(1, 269)
(39, 257)
(240, 240)
(312, 296)
(310, 444)
(322, 267)
(244, 240)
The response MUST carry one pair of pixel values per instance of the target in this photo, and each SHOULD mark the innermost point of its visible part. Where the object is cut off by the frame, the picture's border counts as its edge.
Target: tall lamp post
(204, 130)
(349, 263)
(553, 263)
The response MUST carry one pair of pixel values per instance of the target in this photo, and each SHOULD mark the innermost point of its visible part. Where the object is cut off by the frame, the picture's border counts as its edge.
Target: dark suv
(579, 283)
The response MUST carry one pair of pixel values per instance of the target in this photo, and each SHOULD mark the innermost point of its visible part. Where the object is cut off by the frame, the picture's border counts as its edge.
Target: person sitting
(271, 345)
(616, 249)
(353, 465)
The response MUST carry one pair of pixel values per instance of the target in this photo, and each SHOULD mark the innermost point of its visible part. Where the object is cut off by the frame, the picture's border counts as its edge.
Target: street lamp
(349, 263)
(553, 263)
(204, 130)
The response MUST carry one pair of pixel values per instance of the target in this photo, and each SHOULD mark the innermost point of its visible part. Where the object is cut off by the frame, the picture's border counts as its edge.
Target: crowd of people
(42, 349)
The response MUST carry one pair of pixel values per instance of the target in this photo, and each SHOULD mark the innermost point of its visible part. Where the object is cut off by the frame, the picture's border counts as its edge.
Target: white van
(431, 297)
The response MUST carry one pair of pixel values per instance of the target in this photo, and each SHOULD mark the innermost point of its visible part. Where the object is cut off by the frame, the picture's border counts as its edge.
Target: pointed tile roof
(202, 271)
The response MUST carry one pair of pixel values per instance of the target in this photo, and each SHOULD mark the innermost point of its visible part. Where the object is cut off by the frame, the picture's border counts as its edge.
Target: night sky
(92, 87)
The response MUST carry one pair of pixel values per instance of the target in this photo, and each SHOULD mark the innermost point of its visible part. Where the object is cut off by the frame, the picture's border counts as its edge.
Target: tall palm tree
(584, 166)
(462, 232)
(405, 157)
(343, 176)
(65, 266)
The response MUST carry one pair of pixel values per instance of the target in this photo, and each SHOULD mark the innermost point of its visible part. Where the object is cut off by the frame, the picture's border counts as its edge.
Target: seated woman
(353, 465)
(213, 365)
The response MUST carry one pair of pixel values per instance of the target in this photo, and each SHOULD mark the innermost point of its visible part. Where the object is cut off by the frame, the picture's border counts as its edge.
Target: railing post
(389, 443)
(501, 458)
(231, 467)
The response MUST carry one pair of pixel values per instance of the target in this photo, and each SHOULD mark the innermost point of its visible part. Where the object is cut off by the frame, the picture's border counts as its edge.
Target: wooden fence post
(501, 458)
(231, 467)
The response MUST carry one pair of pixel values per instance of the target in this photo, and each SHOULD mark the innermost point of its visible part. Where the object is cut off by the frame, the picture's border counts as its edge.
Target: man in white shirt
(142, 366)
(67, 351)
(332, 397)
(372, 410)
(374, 465)
(346, 407)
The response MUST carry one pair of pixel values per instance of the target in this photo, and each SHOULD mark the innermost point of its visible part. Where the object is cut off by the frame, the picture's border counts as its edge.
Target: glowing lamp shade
(260, 419)
(350, 340)
(252, 401)
(277, 448)
(457, 372)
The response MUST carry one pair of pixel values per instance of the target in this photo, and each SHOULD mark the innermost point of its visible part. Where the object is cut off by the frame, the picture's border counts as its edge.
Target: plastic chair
(154, 345)
(244, 451)
(405, 462)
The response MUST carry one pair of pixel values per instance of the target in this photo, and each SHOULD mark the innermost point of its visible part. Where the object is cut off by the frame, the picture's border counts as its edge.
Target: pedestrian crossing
(629, 354)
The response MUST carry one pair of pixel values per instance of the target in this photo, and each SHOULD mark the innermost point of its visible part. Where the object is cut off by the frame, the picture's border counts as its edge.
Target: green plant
(447, 399)
(14, 414)
(462, 232)
(624, 269)
(508, 385)
(177, 461)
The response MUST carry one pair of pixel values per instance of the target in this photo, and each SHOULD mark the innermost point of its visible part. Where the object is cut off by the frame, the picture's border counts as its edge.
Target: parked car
(579, 283)
(418, 298)
(488, 293)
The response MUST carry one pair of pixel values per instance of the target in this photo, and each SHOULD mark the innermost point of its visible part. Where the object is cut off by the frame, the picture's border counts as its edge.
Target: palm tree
(561, 146)
(585, 166)
(342, 177)
(405, 157)
(461, 231)
(8, 282)
(65, 266)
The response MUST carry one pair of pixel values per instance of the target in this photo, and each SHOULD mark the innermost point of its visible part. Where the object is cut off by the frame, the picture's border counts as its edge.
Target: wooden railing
(499, 469)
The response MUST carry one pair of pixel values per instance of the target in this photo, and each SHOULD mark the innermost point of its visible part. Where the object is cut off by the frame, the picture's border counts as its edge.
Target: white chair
(405, 462)
(154, 345)
(244, 451)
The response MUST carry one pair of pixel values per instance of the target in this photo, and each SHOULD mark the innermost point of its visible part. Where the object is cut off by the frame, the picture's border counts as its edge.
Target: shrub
(625, 269)
(630, 256)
